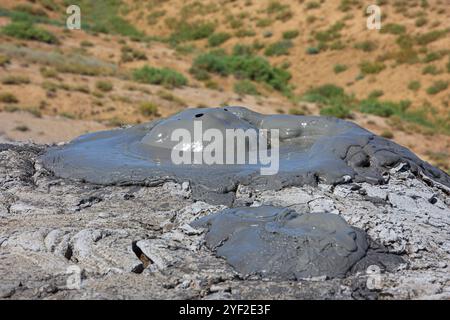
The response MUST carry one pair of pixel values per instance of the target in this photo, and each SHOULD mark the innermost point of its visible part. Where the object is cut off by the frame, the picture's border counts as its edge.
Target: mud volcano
(279, 243)
(312, 150)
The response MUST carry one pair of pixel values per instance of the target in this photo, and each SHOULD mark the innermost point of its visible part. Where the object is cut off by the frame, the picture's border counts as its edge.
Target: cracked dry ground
(135, 242)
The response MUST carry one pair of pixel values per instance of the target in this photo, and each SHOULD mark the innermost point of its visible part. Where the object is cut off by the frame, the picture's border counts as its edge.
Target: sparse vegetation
(153, 17)
(421, 21)
(337, 111)
(248, 67)
(437, 87)
(312, 50)
(280, 48)
(149, 109)
(291, 34)
(246, 87)
(387, 134)
(66, 63)
(432, 56)
(48, 72)
(333, 100)
(366, 46)
(414, 85)
(104, 17)
(375, 94)
(216, 39)
(185, 31)
(86, 44)
(130, 54)
(104, 86)
(339, 68)
(7, 97)
(383, 108)
(15, 80)
(312, 5)
(371, 67)
(431, 36)
(27, 31)
(295, 111)
(430, 69)
(165, 76)
(393, 28)
(166, 95)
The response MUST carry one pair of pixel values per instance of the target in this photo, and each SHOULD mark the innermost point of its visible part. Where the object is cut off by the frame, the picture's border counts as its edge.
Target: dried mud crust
(137, 242)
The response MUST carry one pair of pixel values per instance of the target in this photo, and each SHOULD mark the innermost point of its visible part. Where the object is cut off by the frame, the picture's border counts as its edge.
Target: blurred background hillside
(134, 61)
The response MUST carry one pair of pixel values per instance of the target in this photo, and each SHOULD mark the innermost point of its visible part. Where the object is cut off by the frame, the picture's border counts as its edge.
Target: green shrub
(337, 111)
(263, 23)
(22, 128)
(276, 7)
(186, 31)
(104, 86)
(421, 21)
(15, 80)
(432, 56)
(245, 87)
(86, 44)
(371, 67)
(165, 76)
(26, 31)
(213, 62)
(7, 97)
(243, 50)
(338, 68)
(312, 50)
(291, 34)
(312, 5)
(431, 36)
(387, 134)
(48, 72)
(294, 111)
(130, 54)
(375, 94)
(248, 67)
(430, 69)
(216, 39)
(366, 46)
(437, 87)
(393, 28)
(279, 48)
(330, 34)
(414, 85)
(149, 109)
(242, 33)
(347, 5)
(383, 108)
(329, 95)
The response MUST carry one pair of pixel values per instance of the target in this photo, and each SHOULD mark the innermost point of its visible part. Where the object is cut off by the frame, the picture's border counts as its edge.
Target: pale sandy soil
(22, 126)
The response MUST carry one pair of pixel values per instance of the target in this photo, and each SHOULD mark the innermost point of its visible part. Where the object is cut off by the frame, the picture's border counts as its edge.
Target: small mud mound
(279, 243)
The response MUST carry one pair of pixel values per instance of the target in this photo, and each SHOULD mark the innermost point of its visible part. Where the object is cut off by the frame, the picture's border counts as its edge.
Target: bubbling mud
(312, 150)
(279, 243)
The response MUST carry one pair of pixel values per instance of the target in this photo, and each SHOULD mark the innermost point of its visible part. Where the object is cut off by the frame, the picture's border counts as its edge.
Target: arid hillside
(133, 61)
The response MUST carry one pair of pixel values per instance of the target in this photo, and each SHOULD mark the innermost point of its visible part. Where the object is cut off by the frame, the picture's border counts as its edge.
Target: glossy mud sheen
(312, 150)
(279, 243)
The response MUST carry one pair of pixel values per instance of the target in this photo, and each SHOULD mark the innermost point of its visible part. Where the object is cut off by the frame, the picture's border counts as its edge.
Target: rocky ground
(134, 242)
